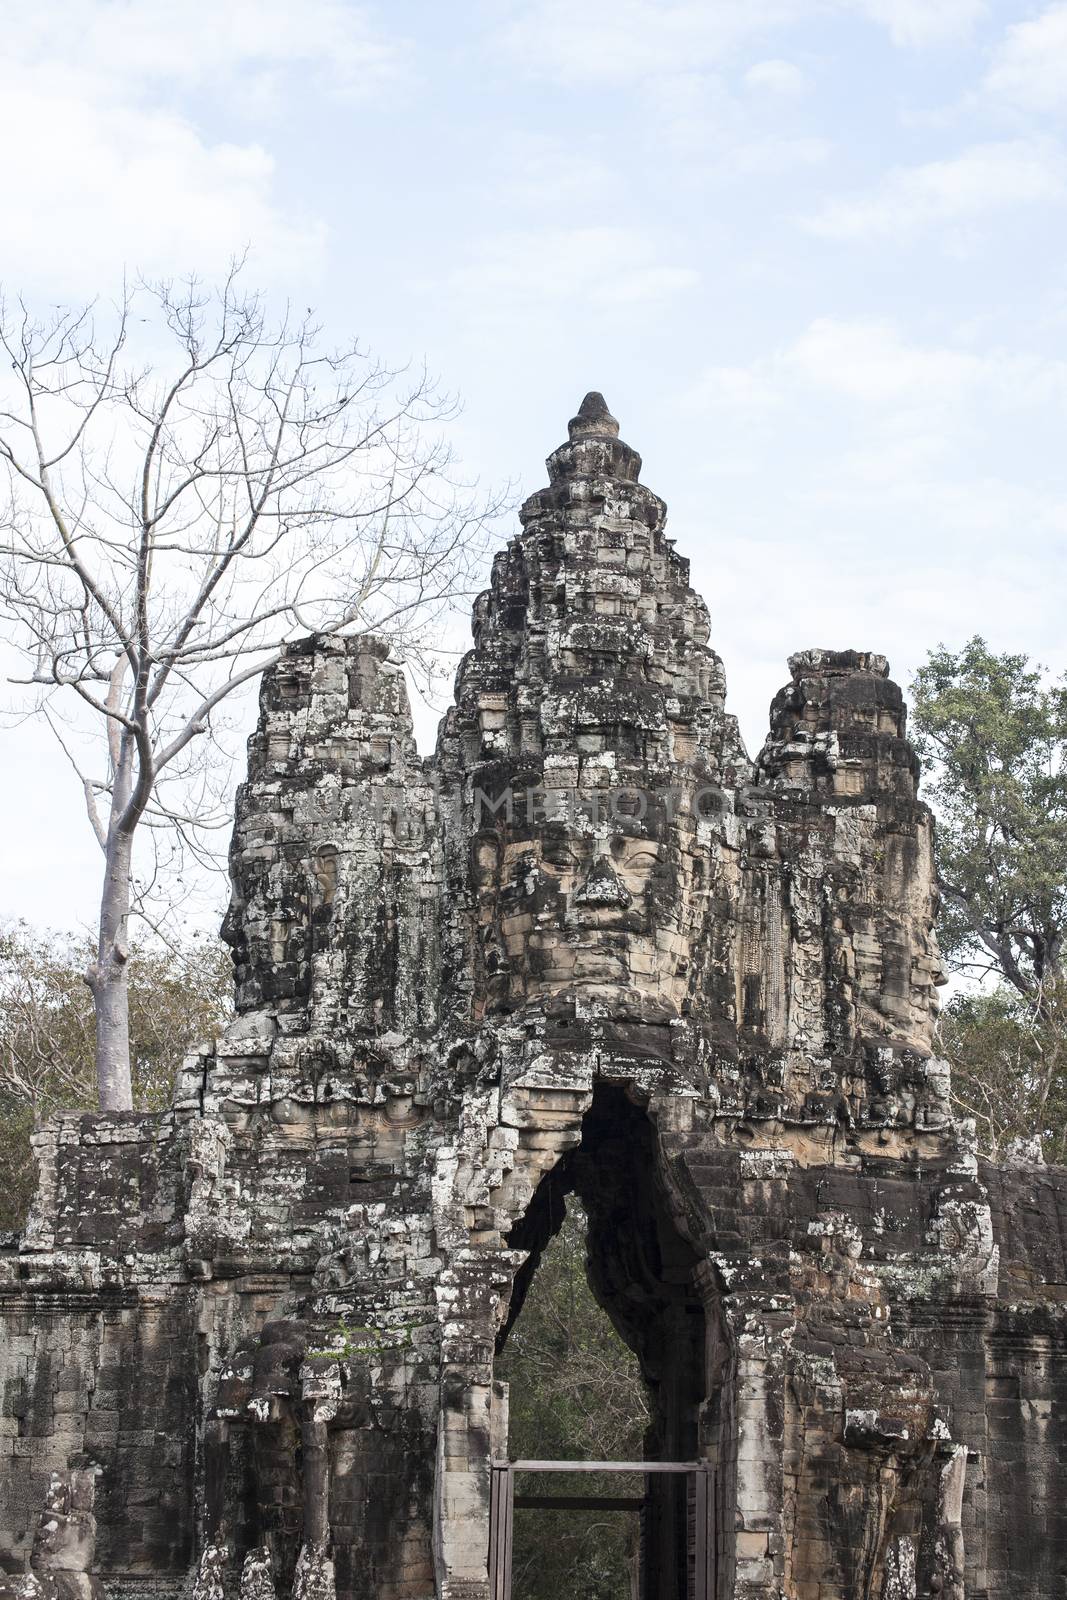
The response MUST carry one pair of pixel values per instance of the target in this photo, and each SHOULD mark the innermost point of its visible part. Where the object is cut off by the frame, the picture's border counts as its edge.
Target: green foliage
(992, 735)
(47, 1034)
(993, 739)
(362, 1340)
(18, 1174)
(575, 1393)
(346, 1342)
(1009, 1068)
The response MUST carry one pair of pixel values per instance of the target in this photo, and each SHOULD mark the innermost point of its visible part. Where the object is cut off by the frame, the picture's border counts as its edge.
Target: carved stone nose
(602, 887)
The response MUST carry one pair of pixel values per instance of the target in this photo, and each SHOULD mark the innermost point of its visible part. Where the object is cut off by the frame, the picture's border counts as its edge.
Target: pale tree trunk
(109, 979)
(257, 467)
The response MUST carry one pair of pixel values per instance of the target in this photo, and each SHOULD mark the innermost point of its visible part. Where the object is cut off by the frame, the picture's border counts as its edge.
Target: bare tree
(189, 487)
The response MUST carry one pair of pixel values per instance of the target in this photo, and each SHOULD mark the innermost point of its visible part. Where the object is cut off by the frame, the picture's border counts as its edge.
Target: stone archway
(650, 1282)
(435, 968)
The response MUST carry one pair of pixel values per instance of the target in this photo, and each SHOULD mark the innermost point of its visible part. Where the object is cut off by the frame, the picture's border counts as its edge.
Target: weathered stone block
(588, 945)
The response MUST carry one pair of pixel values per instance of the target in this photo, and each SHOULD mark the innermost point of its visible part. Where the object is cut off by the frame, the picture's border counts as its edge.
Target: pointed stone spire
(594, 420)
(594, 449)
(590, 644)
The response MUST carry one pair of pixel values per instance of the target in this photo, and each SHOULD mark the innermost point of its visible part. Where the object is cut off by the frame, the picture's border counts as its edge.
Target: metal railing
(504, 1502)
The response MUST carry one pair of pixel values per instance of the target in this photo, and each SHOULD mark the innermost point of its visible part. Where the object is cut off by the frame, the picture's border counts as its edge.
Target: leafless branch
(173, 520)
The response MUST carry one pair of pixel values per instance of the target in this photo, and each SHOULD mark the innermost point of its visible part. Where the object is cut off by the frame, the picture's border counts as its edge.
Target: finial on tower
(594, 420)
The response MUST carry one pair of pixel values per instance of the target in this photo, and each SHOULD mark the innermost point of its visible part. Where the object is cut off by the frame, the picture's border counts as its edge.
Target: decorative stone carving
(588, 946)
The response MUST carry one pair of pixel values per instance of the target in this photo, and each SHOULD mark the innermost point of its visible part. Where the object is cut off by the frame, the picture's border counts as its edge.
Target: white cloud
(599, 267)
(623, 41)
(1030, 66)
(748, 393)
(99, 190)
(539, 171)
(702, 123)
(106, 167)
(616, 42)
(138, 45)
(924, 479)
(871, 362)
(777, 78)
(764, 156)
(911, 395)
(916, 23)
(963, 188)
(903, 408)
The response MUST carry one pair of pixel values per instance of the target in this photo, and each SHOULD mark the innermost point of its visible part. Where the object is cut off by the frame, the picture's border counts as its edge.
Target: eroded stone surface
(62, 1555)
(588, 945)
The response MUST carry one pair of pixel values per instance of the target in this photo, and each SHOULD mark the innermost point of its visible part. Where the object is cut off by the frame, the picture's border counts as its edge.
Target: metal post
(509, 1517)
(497, 1494)
(701, 1565)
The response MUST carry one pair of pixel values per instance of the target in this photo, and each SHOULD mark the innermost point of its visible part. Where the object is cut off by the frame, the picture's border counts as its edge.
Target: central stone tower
(588, 945)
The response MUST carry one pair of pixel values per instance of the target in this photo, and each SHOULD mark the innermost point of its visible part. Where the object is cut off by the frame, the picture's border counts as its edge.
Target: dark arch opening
(642, 1273)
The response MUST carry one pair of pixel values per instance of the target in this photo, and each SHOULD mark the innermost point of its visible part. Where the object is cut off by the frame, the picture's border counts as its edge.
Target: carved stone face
(930, 964)
(897, 991)
(598, 914)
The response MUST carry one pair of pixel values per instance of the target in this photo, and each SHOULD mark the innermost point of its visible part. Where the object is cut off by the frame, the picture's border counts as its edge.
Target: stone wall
(588, 945)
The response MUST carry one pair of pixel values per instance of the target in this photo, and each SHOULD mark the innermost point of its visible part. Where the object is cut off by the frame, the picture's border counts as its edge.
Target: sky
(814, 253)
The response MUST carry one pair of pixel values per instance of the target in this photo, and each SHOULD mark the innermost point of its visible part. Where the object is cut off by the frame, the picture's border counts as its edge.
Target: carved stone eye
(559, 857)
(635, 857)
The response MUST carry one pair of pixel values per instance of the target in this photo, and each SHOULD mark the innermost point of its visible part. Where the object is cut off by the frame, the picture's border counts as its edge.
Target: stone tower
(587, 946)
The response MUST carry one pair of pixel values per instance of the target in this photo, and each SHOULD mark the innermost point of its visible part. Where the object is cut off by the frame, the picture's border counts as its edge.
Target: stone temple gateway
(588, 946)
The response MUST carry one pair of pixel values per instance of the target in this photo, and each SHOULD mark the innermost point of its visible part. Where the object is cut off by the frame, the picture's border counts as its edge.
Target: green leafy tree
(48, 1034)
(992, 735)
(1008, 1070)
(575, 1393)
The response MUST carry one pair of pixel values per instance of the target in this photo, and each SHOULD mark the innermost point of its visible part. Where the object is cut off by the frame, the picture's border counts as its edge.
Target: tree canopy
(1008, 1070)
(992, 735)
(991, 731)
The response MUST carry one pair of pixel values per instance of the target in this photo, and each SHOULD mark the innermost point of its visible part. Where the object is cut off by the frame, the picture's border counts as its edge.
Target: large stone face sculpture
(587, 946)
